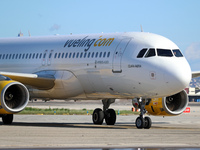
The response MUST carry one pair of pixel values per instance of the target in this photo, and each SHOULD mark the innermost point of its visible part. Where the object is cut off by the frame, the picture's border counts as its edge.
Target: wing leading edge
(41, 82)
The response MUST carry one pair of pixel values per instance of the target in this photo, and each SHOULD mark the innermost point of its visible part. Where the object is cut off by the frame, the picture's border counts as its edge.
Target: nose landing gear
(141, 121)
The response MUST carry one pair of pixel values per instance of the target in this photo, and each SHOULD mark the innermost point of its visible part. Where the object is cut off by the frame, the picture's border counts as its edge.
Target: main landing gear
(7, 119)
(141, 121)
(109, 115)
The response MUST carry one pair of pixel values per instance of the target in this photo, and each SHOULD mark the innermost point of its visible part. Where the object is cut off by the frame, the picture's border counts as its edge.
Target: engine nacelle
(168, 106)
(14, 97)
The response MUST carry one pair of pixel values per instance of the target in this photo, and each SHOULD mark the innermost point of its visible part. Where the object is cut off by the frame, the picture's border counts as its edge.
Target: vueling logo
(87, 43)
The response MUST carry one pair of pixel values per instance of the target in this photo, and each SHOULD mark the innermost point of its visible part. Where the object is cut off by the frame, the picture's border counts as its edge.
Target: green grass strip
(64, 111)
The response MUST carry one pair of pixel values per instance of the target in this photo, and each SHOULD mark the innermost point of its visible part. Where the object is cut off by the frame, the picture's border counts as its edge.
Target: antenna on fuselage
(29, 33)
(141, 28)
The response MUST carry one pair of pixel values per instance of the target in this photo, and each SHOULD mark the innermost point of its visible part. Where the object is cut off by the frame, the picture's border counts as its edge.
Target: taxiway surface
(76, 131)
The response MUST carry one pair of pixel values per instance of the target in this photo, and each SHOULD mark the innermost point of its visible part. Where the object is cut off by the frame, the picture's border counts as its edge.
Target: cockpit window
(164, 52)
(177, 53)
(151, 53)
(141, 53)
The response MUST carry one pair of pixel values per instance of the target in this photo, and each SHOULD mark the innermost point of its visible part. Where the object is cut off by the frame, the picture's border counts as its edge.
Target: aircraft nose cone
(178, 76)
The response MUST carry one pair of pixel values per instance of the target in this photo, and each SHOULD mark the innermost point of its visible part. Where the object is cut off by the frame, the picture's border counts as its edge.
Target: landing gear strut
(7, 119)
(108, 114)
(141, 121)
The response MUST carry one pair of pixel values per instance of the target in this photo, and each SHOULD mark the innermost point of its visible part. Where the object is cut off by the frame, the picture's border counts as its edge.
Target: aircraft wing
(195, 74)
(42, 82)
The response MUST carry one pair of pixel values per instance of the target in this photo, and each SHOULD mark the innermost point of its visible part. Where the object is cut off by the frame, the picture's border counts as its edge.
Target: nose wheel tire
(147, 122)
(110, 117)
(139, 122)
(98, 116)
(143, 122)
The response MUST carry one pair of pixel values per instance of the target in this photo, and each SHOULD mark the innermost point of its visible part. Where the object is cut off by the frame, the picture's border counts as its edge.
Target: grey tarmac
(77, 131)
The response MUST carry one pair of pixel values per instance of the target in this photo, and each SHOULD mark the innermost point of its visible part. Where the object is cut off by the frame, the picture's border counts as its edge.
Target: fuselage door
(117, 57)
(49, 58)
(44, 58)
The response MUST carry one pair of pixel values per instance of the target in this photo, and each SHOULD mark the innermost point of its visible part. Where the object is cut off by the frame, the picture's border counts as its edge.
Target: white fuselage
(97, 66)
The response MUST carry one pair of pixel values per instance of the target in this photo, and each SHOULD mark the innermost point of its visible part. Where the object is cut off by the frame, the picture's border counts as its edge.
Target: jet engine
(14, 96)
(168, 106)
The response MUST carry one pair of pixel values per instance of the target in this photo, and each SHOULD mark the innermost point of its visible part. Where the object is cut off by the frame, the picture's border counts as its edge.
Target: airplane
(133, 65)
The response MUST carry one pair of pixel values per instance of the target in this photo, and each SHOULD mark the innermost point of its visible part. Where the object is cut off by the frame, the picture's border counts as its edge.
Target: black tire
(139, 122)
(110, 117)
(98, 116)
(147, 122)
(7, 119)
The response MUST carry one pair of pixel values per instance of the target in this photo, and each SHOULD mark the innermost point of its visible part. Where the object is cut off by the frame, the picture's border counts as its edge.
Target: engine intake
(14, 97)
(176, 104)
(168, 106)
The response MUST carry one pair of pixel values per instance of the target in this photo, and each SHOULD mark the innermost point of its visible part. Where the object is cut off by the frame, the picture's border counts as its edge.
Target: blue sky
(177, 20)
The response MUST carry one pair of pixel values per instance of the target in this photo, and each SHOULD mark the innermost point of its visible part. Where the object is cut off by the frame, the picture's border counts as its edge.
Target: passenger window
(50, 55)
(26, 56)
(81, 55)
(33, 56)
(20, 55)
(100, 54)
(96, 54)
(74, 55)
(141, 53)
(7, 56)
(177, 53)
(104, 54)
(23, 56)
(108, 55)
(59, 55)
(37, 56)
(150, 53)
(92, 54)
(16, 56)
(85, 55)
(30, 56)
(77, 55)
(40, 55)
(70, 55)
(164, 52)
(63, 54)
(44, 56)
(13, 57)
(66, 55)
(0, 56)
(89, 55)
(55, 55)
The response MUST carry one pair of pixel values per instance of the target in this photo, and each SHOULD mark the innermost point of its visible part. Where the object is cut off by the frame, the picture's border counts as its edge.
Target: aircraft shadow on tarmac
(127, 125)
(71, 125)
